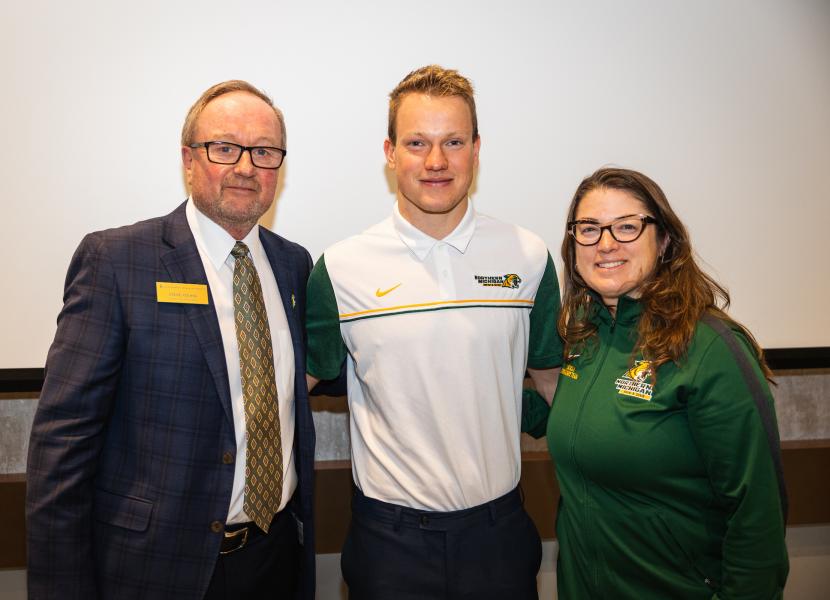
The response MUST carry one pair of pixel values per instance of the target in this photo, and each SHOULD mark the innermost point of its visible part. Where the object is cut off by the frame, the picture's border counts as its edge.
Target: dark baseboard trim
(778, 359)
(20, 380)
(782, 359)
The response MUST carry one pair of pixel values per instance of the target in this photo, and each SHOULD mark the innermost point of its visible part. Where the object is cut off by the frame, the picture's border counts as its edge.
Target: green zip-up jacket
(669, 488)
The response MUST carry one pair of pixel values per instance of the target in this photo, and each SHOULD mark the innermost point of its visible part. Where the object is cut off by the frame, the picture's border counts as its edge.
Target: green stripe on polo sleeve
(326, 350)
(545, 346)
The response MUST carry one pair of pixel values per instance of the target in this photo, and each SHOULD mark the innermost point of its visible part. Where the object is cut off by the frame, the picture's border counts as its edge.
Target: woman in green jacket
(662, 428)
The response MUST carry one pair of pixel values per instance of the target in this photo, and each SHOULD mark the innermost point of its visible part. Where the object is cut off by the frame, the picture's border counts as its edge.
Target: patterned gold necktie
(263, 459)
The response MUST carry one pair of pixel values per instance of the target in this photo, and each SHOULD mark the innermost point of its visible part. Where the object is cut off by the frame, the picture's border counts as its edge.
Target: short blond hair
(220, 89)
(432, 80)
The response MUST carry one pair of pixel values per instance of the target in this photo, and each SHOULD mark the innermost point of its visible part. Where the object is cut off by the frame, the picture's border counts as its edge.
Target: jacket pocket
(128, 512)
(689, 557)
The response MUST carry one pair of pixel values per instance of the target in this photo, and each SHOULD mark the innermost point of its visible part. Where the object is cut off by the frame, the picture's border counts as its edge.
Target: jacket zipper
(575, 432)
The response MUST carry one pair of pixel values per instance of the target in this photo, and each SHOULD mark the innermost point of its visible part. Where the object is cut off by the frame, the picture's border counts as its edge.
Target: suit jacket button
(227, 458)
(217, 527)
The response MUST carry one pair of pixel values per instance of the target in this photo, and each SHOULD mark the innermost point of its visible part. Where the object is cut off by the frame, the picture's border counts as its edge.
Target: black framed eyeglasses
(227, 153)
(588, 232)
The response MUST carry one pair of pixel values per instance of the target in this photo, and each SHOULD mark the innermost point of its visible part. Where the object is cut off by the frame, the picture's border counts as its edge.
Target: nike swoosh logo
(381, 294)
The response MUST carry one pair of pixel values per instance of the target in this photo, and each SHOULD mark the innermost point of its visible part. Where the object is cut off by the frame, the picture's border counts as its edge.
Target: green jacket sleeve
(545, 346)
(534, 413)
(731, 438)
(326, 350)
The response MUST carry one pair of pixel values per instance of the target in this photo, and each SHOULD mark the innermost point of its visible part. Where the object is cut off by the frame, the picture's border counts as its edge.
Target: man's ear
(389, 151)
(187, 162)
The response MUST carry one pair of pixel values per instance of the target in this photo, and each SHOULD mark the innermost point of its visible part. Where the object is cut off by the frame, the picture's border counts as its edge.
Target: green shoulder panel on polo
(326, 351)
(544, 345)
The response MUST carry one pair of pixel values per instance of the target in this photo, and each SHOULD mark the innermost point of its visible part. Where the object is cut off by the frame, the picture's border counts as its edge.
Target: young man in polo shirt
(438, 311)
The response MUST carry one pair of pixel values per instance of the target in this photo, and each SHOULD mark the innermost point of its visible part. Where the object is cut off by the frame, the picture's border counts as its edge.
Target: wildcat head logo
(640, 372)
(511, 280)
(634, 382)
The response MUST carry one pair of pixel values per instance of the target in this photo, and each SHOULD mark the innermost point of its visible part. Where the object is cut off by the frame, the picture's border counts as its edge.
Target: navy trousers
(267, 568)
(488, 552)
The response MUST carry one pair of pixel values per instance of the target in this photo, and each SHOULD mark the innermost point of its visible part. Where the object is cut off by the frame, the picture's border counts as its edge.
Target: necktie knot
(239, 250)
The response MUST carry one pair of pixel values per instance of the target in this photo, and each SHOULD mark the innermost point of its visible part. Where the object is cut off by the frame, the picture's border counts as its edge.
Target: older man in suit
(172, 450)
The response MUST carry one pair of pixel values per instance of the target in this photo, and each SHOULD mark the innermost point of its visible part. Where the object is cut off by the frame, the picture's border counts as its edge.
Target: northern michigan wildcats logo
(640, 372)
(510, 280)
(568, 370)
(634, 382)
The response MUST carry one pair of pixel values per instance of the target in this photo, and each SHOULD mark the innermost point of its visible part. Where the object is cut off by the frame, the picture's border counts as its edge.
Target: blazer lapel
(184, 265)
(286, 277)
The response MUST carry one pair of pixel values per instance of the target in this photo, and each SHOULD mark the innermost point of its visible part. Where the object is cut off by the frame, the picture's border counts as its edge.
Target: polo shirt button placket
(442, 265)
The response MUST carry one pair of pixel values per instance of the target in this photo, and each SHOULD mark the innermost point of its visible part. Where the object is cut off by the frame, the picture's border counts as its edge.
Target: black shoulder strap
(759, 396)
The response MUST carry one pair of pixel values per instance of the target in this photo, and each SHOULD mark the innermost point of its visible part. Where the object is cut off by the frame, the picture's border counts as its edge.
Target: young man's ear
(389, 151)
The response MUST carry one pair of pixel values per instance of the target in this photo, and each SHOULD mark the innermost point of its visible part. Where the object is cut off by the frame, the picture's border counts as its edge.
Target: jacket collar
(628, 310)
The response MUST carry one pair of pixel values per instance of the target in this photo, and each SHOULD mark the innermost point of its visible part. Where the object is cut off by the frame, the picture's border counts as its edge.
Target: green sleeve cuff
(534, 413)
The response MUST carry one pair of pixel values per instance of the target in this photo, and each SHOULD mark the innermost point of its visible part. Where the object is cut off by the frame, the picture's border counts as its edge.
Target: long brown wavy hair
(674, 296)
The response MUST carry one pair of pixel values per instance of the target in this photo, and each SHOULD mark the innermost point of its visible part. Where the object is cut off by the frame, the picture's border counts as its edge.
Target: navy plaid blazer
(126, 473)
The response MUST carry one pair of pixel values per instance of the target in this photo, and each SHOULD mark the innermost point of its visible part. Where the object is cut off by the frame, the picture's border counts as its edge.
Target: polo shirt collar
(422, 244)
(215, 242)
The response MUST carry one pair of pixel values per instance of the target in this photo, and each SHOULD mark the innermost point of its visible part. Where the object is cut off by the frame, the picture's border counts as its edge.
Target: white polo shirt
(437, 335)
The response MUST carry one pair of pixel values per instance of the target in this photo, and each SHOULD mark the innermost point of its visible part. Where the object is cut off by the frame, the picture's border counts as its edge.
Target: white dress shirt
(214, 245)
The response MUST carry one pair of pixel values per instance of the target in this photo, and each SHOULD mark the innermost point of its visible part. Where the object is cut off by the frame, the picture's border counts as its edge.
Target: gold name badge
(181, 293)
